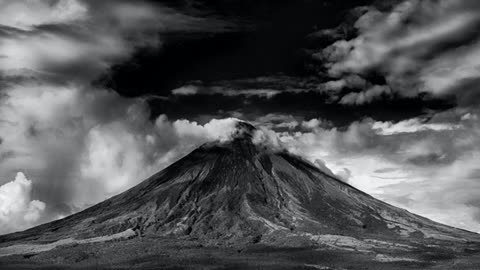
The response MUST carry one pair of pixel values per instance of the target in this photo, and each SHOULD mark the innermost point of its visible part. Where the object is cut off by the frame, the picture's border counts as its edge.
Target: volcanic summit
(242, 191)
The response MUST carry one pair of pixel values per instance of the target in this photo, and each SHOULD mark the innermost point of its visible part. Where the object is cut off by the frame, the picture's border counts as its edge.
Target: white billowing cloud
(17, 209)
(267, 93)
(215, 130)
(351, 81)
(411, 126)
(344, 174)
(85, 146)
(47, 53)
(278, 121)
(423, 150)
(446, 73)
(448, 194)
(469, 116)
(377, 43)
(311, 124)
(118, 155)
(25, 14)
(436, 157)
(321, 165)
(188, 90)
(419, 46)
(267, 138)
(79, 40)
(50, 130)
(85, 47)
(79, 143)
(366, 96)
(221, 129)
(224, 130)
(113, 159)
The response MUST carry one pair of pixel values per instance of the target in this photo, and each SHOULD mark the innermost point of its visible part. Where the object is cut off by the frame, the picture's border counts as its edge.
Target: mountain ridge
(236, 191)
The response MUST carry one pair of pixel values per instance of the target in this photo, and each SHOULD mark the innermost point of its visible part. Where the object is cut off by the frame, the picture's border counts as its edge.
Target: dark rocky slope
(240, 192)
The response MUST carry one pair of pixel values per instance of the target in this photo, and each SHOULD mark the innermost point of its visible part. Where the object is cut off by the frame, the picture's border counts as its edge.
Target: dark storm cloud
(303, 103)
(267, 40)
(417, 46)
(235, 69)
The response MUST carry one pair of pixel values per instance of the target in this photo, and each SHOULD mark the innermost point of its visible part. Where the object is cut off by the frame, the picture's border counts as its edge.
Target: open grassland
(168, 253)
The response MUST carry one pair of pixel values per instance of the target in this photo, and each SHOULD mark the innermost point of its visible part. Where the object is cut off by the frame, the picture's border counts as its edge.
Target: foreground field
(166, 253)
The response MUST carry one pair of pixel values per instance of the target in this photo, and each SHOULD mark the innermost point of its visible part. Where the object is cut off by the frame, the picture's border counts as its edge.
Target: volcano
(242, 192)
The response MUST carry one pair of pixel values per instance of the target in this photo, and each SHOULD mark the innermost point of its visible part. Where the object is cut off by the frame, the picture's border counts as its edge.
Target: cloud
(437, 156)
(349, 81)
(185, 90)
(344, 175)
(215, 130)
(189, 90)
(267, 87)
(223, 130)
(81, 144)
(66, 40)
(321, 165)
(412, 126)
(27, 14)
(417, 46)
(311, 124)
(277, 121)
(81, 40)
(61, 56)
(52, 130)
(17, 209)
(366, 96)
(268, 139)
(82, 147)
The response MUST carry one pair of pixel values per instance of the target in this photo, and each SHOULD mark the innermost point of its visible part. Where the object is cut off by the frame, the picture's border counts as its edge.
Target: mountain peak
(243, 130)
(238, 192)
(238, 133)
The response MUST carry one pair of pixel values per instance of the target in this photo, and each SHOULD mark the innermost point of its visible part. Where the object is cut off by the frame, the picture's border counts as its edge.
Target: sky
(95, 96)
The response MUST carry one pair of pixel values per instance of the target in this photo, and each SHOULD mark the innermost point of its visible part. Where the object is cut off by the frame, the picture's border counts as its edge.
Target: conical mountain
(242, 190)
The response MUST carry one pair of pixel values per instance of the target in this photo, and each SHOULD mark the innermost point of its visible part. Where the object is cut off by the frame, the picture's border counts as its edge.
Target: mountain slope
(241, 192)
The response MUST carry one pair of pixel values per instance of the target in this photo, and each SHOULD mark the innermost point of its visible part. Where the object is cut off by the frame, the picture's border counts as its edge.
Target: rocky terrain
(242, 203)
